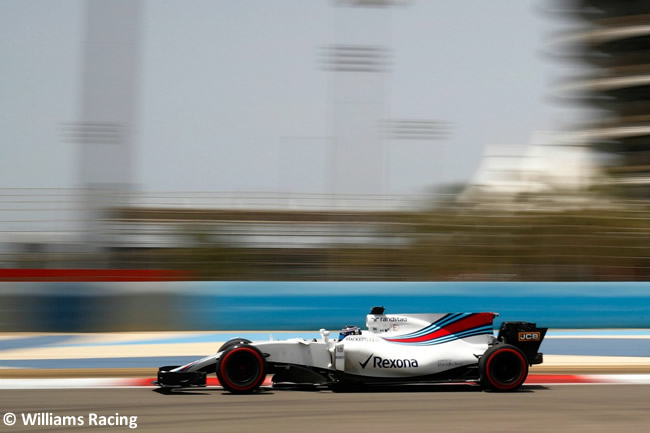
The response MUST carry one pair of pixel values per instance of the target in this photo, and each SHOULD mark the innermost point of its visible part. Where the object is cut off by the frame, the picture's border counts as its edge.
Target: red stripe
(213, 381)
(469, 322)
(122, 275)
(210, 381)
(137, 382)
(561, 378)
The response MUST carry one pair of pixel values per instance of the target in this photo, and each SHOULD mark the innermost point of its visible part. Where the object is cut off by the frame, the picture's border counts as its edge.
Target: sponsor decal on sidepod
(378, 362)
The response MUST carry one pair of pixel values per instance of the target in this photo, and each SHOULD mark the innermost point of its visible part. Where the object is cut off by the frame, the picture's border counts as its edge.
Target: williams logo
(378, 362)
(529, 336)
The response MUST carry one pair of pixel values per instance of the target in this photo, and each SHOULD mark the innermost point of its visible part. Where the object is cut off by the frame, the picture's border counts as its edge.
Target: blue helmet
(349, 330)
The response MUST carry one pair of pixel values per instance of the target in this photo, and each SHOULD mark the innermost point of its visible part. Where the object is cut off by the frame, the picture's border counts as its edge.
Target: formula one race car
(395, 349)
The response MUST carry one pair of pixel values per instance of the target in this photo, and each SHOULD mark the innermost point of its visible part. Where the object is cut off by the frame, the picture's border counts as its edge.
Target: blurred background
(324, 140)
(211, 169)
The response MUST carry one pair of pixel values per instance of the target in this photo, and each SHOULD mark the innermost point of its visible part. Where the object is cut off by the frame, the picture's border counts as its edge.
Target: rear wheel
(241, 369)
(503, 368)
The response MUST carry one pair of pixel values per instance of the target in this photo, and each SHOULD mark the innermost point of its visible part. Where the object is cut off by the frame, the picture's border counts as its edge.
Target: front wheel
(233, 342)
(241, 369)
(503, 368)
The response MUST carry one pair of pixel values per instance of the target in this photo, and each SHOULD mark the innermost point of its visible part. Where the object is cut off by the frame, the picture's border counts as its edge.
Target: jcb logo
(529, 336)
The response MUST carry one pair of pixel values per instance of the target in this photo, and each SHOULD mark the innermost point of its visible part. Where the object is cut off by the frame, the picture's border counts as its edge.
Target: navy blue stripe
(438, 324)
(452, 337)
(478, 330)
(441, 324)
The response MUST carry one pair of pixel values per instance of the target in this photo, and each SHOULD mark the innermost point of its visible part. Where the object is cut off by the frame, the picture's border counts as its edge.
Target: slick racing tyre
(241, 369)
(503, 368)
(233, 342)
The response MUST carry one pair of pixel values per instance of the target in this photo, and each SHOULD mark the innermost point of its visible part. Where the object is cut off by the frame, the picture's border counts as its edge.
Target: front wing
(177, 379)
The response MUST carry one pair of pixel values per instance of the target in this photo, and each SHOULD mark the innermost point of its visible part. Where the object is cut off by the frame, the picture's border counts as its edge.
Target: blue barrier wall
(286, 306)
(81, 307)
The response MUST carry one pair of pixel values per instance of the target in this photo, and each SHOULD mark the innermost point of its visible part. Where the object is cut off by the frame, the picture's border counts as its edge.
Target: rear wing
(524, 335)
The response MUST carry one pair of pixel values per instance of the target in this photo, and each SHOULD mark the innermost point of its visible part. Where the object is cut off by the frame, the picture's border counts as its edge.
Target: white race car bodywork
(395, 348)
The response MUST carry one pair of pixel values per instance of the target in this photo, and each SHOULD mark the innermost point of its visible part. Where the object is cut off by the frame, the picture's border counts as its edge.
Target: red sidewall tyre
(241, 369)
(503, 368)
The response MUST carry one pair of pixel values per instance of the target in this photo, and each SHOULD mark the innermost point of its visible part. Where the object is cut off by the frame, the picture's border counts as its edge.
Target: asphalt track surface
(536, 408)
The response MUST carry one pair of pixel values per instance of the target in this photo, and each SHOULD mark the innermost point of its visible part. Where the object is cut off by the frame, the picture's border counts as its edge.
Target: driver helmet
(349, 330)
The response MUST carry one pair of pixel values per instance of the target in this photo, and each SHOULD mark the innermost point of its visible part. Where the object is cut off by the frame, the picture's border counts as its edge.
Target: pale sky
(232, 95)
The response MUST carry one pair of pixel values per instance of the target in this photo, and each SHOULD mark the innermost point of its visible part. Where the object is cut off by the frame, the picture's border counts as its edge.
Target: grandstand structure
(355, 231)
(614, 41)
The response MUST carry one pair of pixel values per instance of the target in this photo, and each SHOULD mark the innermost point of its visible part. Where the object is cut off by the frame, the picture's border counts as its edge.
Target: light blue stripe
(478, 331)
(469, 333)
(434, 326)
(438, 325)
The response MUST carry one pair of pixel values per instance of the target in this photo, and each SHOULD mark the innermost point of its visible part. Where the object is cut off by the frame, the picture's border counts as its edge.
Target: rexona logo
(529, 336)
(378, 362)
